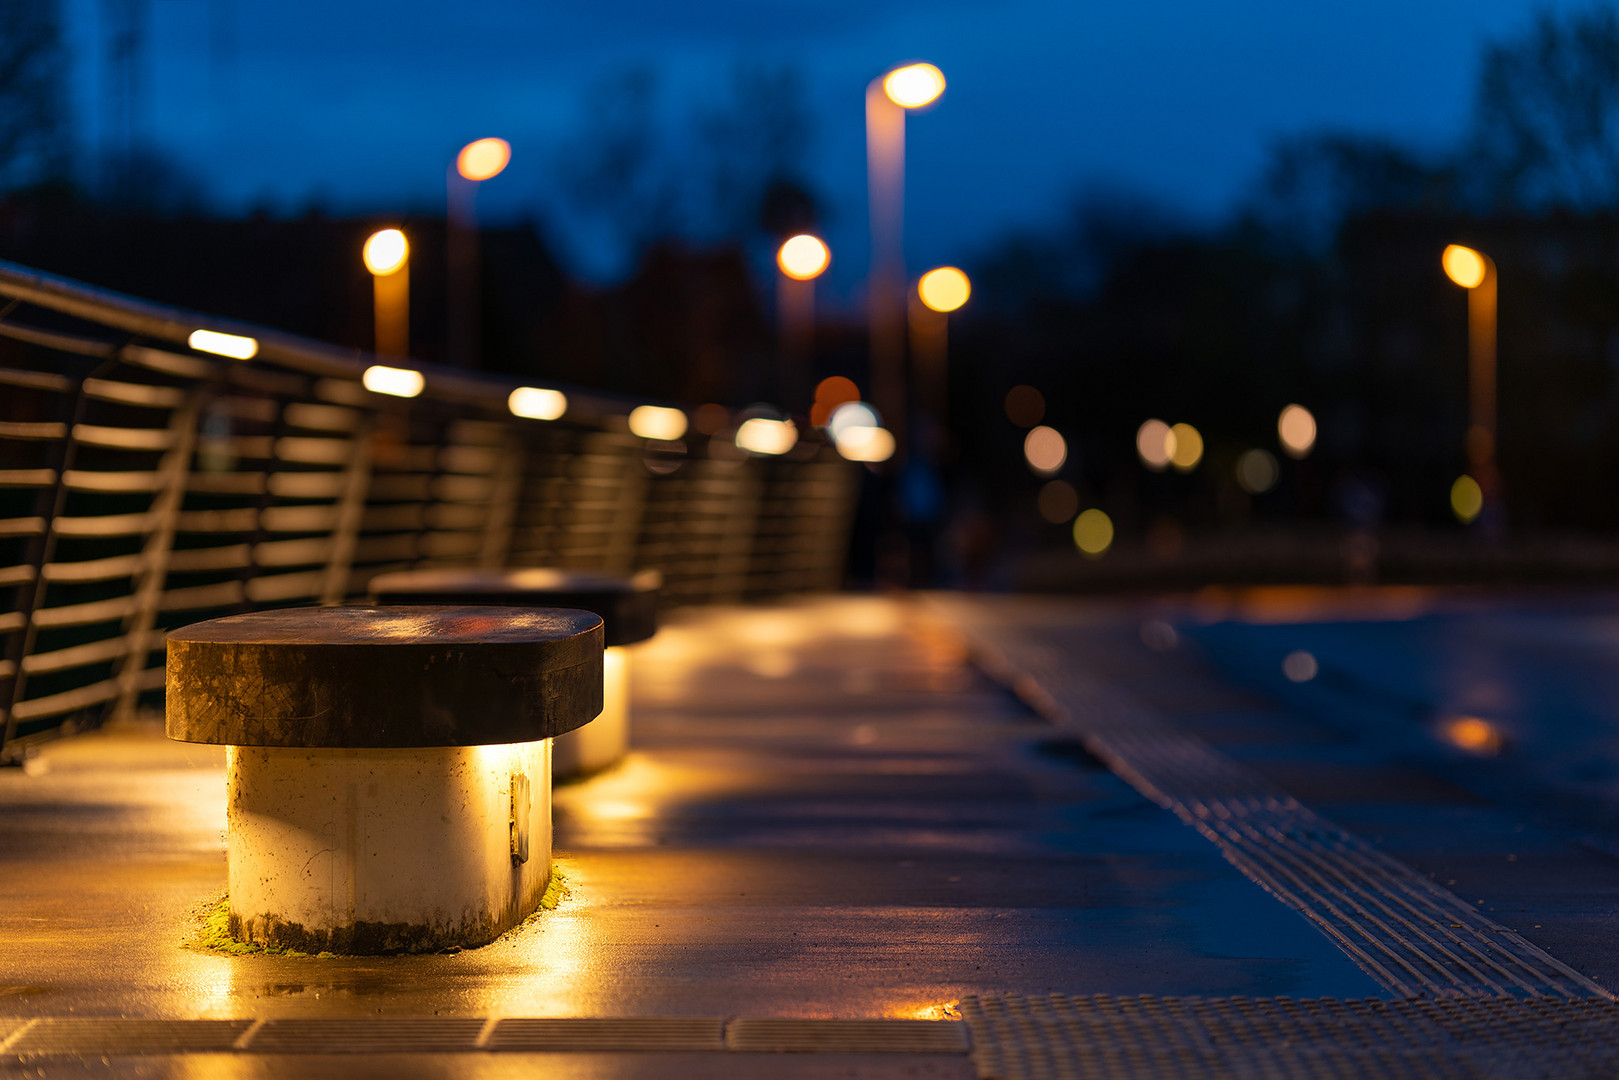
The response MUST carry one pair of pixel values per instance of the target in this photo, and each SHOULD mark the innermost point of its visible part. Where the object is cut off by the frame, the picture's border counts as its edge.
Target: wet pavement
(830, 812)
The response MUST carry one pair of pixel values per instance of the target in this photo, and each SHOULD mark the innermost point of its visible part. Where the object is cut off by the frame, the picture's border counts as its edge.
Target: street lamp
(801, 259)
(1475, 271)
(888, 98)
(938, 292)
(387, 256)
(479, 160)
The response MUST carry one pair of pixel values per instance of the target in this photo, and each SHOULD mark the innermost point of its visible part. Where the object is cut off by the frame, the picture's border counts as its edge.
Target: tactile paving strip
(1407, 932)
(369, 1035)
(609, 1033)
(1124, 1038)
(785, 1035)
(92, 1035)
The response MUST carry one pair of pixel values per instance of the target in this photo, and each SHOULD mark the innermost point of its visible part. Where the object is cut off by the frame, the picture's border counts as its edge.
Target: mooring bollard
(628, 606)
(388, 774)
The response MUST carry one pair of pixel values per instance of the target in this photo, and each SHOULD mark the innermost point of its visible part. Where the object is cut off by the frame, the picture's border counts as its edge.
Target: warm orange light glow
(1045, 450)
(657, 422)
(914, 85)
(535, 403)
(234, 346)
(1296, 429)
(396, 382)
(803, 257)
(385, 252)
(944, 289)
(1464, 266)
(1093, 533)
(871, 444)
(1474, 735)
(483, 158)
(1188, 448)
(764, 436)
(1155, 442)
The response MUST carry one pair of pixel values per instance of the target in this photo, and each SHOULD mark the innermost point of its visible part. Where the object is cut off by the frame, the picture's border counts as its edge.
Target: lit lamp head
(944, 289)
(803, 257)
(483, 159)
(1465, 266)
(628, 606)
(386, 252)
(914, 85)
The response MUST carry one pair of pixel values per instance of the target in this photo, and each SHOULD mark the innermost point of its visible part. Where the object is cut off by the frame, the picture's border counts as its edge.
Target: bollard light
(395, 382)
(657, 422)
(534, 403)
(235, 346)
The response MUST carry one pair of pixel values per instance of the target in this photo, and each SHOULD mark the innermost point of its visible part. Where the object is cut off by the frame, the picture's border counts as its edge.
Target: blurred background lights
(869, 444)
(944, 289)
(1045, 450)
(483, 158)
(711, 418)
(1295, 427)
(830, 392)
(1464, 266)
(1058, 502)
(1093, 533)
(1188, 447)
(234, 346)
(1300, 666)
(1473, 734)
(1155, 443)
(852, 414)
(803, 257)
(764, 436)
(657, 422)
(395, 382)
(1025, 406)
(386, 251)
(914, 85)
(1466, 499)
(1257, 471)
(535, 403)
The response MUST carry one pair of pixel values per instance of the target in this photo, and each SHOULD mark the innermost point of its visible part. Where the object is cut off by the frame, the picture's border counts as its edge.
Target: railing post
(505, 486)
(350, 514)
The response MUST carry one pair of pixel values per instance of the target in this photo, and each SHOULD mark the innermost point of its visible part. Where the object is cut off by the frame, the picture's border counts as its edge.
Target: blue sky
(361, 103)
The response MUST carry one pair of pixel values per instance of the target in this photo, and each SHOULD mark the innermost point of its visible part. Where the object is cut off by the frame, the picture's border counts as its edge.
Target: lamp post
(938, 293)
(479, 160)
(801, 259)
(888, 98)
(387, 256)
(1475, 271)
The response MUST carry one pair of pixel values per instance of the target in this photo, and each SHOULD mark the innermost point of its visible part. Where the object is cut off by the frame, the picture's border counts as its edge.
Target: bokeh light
(1464, 266)
(803, 257)
(1188, 447)
(1257, 471)
(536, 403)
(853, 414)
(1045, 450)
(1093, 533)
(869, 444)
(385, 252)
(761, 435)
(235, 346)
(1295, 427)
(657, 422)
(711, 418)
(914, 85)
(1058, 502)
(1300, 666)
(395, 382)
(1155, 443)
(1025, 406)
(944, 289)
(1466, 499)
(483, 158)
(830, 392)
(1473, 734)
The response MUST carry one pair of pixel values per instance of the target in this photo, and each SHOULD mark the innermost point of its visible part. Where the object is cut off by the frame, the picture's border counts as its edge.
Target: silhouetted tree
(34, 137)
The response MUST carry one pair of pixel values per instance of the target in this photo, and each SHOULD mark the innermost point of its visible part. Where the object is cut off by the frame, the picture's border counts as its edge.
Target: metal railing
(145, 485)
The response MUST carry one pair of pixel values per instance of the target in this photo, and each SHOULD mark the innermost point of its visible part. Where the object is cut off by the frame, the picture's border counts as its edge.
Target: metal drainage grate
(1122, 1038)
(1410, 934)
(90, 1035)
(847, 1036)
(371, 1035)
(606, 1033)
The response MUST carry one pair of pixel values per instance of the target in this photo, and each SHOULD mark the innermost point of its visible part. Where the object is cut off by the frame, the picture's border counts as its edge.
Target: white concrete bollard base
(386, 850)
(604, 740)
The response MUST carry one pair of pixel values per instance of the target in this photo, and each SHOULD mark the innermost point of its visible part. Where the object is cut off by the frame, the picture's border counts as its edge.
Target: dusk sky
(361, 104)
